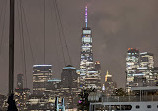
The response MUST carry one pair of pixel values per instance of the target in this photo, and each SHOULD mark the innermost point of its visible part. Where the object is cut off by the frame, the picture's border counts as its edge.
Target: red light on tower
(97, 62)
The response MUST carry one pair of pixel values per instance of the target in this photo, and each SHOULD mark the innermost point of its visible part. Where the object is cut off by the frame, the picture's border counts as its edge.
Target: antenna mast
(11, 48)
(86, 14)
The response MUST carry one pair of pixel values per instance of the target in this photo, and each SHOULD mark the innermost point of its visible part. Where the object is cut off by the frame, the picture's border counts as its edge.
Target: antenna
(86, 14)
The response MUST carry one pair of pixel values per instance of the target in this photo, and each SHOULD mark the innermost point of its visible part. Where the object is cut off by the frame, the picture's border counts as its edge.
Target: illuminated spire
(103, 88)
(106, 76)
(86, 14)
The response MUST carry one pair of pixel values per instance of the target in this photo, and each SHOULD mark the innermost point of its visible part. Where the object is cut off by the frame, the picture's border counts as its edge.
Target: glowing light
(103, 88)
(79, 101)
(86, 14)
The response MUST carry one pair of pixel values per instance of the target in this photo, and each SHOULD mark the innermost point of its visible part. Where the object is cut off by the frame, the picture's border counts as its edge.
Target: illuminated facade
(132, 63)
(21, 97)
(147, 60)
(139, 69)
(146, 66)
(88, 75)
(41, 74)
(53, 87)
(86, 54)
(21, 94)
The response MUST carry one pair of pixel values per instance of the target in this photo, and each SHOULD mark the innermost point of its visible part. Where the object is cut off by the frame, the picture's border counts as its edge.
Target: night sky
(116, 26)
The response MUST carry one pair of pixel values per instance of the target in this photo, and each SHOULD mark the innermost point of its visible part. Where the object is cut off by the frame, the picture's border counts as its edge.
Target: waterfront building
(41, 74)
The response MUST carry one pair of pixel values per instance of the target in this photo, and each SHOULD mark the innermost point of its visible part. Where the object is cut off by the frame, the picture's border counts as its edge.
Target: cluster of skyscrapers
(72, 82)
(46, 88)
(140, 70)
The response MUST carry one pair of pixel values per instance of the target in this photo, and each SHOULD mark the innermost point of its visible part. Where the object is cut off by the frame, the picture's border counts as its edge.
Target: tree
(120, 92)
(83, 103)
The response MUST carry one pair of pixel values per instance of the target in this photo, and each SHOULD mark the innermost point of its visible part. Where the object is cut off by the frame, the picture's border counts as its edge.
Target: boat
(142, 99)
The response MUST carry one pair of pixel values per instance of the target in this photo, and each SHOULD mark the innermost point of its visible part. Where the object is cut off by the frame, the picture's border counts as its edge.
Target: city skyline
(113, 35)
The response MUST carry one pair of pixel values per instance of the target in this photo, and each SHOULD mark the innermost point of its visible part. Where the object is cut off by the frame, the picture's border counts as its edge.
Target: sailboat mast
(11, 48)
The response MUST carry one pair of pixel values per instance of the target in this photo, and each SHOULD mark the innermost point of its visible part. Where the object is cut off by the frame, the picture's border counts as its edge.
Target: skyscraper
(53, 87)
(86, 51)
(88, 75)
(146, 66)
(147, 60)
(139, 69)
(41, 74)
(69, 86)
(132, 63)
(69, 77)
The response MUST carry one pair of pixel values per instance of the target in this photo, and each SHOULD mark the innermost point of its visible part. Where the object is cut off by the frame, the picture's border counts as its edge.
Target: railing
(129, 98)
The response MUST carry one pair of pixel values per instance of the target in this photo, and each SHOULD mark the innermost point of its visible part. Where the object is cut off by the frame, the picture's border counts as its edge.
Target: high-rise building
(41, 74)
(139, 69)
(53, 87)
(132, 63)
(69, 86)
(109, 85)
(147, 60)
(88, 75)
(146, 66)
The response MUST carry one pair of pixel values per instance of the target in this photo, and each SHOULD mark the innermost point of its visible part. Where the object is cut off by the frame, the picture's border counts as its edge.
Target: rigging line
(56, 40)
(44, 30)
(1, 12)
(31, 49)
(3, 27)
(22, 29)
(56, 16)
(55, 37)
(62, 30)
